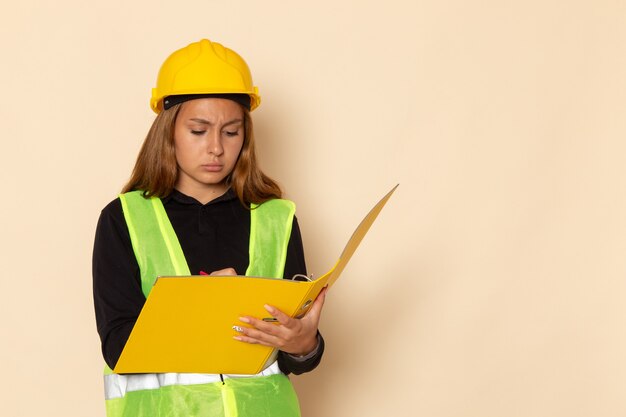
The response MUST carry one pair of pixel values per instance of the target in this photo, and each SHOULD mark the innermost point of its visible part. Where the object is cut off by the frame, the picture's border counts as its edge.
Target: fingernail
(237, 338)
(244, 319)
(269, 308)
(238, 329)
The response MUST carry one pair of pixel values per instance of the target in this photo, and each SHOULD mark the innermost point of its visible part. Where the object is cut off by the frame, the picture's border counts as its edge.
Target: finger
(253, 341)
(224, 272)
(316, 309)
(275, 334)
(322, 294)
(282, 318)
(265, 327)
(254, 336)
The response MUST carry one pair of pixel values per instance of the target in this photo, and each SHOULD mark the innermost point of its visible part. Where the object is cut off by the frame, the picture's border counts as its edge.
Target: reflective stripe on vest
(158, 252)
(117, 385)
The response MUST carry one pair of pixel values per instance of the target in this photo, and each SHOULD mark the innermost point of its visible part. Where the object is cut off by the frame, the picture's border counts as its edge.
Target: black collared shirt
(212, 236)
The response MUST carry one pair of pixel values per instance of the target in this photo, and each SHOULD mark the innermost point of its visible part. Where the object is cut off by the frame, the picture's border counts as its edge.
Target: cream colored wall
(492, 284)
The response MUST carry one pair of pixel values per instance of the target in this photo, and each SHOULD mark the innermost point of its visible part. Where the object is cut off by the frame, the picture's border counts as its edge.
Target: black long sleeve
(212, 236)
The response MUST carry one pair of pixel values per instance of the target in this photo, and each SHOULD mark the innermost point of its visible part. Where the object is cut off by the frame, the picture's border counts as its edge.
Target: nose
(214, 145)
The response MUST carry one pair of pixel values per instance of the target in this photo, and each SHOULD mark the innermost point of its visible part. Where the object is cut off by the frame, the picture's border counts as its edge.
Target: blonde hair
(156, 170)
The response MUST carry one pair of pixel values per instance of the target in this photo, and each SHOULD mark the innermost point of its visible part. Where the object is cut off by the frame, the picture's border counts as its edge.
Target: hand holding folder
(294, 335)
(186, 322)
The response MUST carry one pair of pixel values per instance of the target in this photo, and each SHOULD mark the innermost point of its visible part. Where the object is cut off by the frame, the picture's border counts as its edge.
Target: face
(208, 136)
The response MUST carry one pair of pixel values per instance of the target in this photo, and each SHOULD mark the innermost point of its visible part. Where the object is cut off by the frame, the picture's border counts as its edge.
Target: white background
(491, 285)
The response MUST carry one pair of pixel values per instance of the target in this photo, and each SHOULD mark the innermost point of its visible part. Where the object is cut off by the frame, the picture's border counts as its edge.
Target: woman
(197, 175)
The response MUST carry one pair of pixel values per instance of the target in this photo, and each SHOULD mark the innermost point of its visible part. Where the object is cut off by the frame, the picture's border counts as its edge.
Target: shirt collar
(185, 199)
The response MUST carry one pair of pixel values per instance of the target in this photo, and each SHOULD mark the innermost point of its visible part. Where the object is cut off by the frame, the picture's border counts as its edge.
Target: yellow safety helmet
(204, 67)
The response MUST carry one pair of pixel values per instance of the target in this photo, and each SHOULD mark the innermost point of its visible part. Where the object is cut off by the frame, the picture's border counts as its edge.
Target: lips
(212, 167)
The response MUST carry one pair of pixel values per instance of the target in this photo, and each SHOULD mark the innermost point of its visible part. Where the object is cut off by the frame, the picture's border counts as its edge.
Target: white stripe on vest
(116, 385)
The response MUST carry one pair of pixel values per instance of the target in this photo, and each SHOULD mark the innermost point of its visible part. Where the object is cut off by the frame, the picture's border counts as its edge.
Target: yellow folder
(186, 324)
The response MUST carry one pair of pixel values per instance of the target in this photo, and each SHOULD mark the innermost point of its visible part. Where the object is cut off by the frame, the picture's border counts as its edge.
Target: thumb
(316, 309)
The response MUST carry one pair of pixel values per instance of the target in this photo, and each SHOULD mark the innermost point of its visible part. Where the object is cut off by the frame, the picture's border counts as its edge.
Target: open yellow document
(186, 324)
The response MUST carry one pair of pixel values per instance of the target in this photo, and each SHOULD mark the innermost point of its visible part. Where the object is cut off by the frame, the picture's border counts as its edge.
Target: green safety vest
(158, 252)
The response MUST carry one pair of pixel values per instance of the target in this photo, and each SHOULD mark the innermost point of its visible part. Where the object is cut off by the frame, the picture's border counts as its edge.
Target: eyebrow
(206, 122)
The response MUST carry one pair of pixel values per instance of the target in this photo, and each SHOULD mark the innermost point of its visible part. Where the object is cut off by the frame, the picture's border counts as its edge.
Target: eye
(197, 132)
(231, 133)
